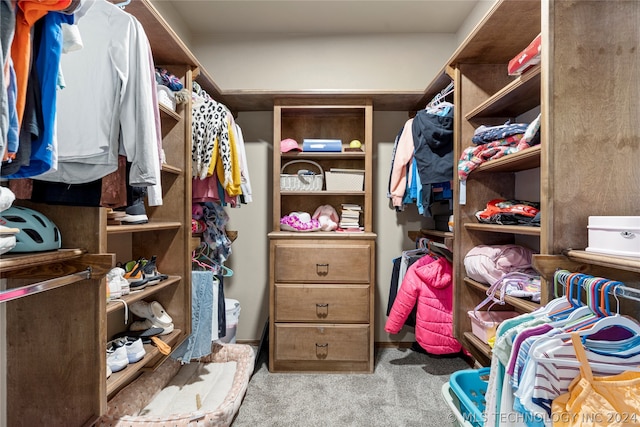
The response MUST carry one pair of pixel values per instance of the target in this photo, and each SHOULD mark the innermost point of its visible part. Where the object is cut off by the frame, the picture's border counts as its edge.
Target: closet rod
(23, 291)
(619, 290)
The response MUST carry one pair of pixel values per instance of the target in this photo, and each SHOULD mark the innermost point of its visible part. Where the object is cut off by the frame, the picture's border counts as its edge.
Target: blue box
(322, 145)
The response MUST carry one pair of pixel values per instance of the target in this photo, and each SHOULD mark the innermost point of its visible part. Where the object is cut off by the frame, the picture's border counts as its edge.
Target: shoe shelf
(510, 229)
(138, 228)
(119, 379)
(113, 306)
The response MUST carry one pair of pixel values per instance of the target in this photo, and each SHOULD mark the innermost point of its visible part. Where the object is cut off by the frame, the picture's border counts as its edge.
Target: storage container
(614, 235)
(345, 179)
(232, 315)
(485, 323)
(303, 179)
(470, 386)
(454, 404)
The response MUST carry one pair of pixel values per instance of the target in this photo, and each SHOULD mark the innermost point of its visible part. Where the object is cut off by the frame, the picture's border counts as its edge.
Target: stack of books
(350, 218)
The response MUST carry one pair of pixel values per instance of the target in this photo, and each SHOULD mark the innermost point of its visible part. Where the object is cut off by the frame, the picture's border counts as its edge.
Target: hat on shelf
(289, 144)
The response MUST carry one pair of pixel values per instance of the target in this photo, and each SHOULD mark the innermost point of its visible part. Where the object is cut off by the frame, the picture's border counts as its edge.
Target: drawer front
(322, 342)
(322, 303)
(324, 262)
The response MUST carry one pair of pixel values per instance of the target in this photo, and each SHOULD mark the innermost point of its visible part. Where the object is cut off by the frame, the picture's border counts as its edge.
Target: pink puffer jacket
(428, 282)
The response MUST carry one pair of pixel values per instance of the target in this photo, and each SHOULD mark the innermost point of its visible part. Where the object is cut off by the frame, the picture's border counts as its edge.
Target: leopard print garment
(209, 122)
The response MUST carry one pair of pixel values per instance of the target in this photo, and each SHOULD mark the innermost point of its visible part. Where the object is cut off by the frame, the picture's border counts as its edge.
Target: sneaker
(108, 371)
(151, 273)
(117, 358)
(134, 347)
(135, 214)
(134, 275)
(115, 289)
(152, 311)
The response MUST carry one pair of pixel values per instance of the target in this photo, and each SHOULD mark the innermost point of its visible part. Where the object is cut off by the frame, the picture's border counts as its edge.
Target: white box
(614, 235)
(344, 179)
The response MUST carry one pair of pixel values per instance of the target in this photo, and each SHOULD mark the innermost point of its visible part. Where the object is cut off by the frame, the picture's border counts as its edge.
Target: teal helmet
(37, 232)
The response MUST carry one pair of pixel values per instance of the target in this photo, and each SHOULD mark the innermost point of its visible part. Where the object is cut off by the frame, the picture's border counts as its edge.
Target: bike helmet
(37, 232)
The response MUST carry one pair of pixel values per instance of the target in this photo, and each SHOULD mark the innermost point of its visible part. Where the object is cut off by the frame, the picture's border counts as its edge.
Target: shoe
(134, 275)
(108, 371)
(118, 285)
(135, 348)
(135, 214)
(146, 324)
(152, 311)
(150, 272)
(117, 358)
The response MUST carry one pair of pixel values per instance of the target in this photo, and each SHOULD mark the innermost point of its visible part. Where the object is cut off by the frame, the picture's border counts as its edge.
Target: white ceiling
(323, 16)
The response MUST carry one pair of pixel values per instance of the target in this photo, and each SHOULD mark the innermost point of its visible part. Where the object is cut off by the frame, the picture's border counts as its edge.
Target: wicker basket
(304, 180)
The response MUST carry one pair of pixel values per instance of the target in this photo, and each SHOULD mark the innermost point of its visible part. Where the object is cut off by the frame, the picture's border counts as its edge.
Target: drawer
(322, 303)
(322, 262)
(322, 342)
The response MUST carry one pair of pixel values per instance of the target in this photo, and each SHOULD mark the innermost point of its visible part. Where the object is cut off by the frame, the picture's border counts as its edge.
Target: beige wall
(293, 62)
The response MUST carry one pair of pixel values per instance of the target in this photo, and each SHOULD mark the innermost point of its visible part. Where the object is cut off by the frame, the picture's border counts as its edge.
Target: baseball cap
(289, 144)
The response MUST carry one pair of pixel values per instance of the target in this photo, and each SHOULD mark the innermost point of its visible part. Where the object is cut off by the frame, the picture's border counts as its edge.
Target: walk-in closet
(310, 213)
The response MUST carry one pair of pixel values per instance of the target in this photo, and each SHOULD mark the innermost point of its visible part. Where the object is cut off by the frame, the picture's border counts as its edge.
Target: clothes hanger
(122, 5)
(203, 259)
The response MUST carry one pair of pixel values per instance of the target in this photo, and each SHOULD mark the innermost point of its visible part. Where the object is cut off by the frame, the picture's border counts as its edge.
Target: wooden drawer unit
(321, 303)
(322, 347)
(331, 262)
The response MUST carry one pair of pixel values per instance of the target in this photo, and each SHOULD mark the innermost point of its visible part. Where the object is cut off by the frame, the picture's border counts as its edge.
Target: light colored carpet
(404, 390)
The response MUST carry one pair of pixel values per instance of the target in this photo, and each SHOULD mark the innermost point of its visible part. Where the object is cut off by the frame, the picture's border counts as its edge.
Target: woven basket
(304, 180)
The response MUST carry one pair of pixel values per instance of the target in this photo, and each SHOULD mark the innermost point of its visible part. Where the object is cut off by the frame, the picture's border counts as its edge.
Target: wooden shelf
(138, 228)
(10, 262)
(480, 345)
(315, 155)
(322, 193)
(516, 162)
(172, 169)
(519, 96)
(169, 112)
(132, 297)
(485, 45)
(510, 229)
(611, 261)
(520, 304)
(321, 234)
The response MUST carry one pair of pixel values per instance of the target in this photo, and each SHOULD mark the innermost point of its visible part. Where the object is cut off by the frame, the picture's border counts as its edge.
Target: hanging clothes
(427, 284)
(107, 106)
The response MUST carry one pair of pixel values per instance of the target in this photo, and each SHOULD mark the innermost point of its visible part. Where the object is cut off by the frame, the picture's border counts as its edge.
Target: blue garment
(47, 65)
(199, 342)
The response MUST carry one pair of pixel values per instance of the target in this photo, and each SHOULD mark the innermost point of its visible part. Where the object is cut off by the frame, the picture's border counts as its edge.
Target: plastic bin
(470, 386)
(232, 315)
(454, 403)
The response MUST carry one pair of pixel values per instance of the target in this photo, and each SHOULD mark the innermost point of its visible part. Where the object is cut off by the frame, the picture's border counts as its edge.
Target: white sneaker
(108, 371)
(117, 358)
(114, 282)
(135, 348)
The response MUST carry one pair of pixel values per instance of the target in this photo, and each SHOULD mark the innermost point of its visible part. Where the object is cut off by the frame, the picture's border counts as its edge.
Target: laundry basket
(470, 387)
(304, 179)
